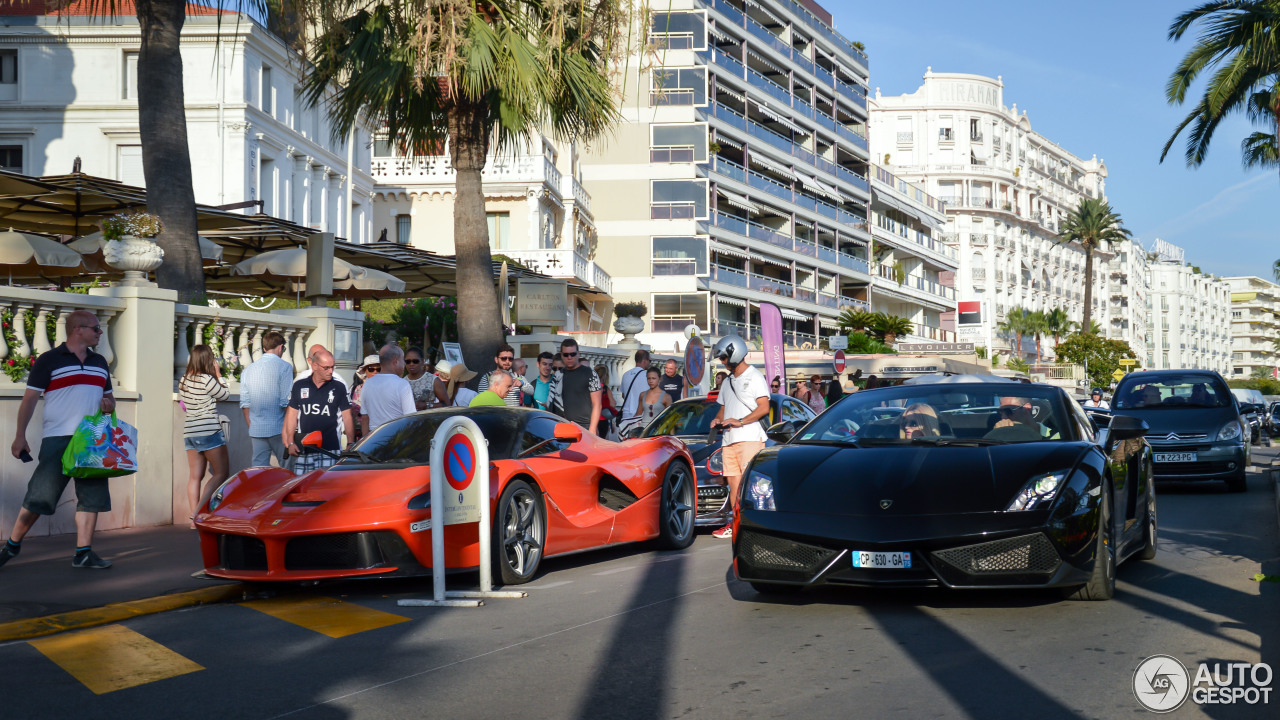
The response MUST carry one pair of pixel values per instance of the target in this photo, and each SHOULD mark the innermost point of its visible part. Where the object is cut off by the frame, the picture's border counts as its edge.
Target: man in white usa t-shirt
(744, 400)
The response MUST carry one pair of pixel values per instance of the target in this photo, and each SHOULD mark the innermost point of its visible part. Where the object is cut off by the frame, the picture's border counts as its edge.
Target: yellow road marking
(113, 657)
(325, 615)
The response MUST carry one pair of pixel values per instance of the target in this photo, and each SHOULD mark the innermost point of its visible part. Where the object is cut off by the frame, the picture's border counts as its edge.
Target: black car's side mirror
(781, 432)
(1127, 427)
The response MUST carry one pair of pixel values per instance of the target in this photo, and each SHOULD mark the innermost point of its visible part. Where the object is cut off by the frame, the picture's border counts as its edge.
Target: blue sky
(1091, 76)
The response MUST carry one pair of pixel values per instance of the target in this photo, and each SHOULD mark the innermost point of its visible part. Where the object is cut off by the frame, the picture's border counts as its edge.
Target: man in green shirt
(499, 384)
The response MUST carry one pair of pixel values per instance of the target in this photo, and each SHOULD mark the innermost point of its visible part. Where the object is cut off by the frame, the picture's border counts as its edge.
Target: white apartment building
(1190, 317)
(913, 270)
(739, 174)
(1255, 326)
(1006, 189)
(1125, 312)
(69, 88)
(539, 215)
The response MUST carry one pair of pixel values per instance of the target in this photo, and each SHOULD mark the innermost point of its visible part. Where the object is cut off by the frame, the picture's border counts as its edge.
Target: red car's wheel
(519, 533)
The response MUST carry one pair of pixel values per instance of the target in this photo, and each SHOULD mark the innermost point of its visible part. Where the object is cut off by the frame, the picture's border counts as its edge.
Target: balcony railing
(771, 285)
(853, 263)
(729, 276)
(565, 263)
(769, 86)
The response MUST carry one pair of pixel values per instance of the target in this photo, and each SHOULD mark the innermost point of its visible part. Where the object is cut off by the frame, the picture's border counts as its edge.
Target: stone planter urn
(628, 325)
(136, 256)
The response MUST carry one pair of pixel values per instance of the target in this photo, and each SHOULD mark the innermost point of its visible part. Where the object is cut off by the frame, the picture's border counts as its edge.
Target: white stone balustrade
(563, 263)
(237, 335)
(42, 306)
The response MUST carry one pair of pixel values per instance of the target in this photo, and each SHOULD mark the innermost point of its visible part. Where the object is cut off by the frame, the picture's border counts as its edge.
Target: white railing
(45, 308)
(235, 336)
(570, 187)
(435, 169)
(565, 263)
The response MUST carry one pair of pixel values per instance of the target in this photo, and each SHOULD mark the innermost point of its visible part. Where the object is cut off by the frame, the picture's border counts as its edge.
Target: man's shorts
(48, 482)
(737, 456)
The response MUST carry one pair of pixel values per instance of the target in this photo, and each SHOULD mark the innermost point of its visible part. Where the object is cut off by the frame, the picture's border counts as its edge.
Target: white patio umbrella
(36, 256)
(371, 283)
(290, 265)
(91, 247)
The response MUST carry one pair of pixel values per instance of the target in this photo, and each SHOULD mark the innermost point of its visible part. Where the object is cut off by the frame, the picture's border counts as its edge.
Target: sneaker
(724, 533)
(90, 559)
(7, 552)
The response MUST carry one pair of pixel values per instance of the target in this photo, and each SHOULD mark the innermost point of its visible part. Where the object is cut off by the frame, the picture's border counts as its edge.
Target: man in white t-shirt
(744, 400)
(386, 395)
(1095, 401)
(632, 386)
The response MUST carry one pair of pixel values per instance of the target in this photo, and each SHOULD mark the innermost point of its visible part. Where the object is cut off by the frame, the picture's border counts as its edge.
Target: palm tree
(1092, 224)
(470, 77)
(1037, 326)
(1240, 43)
(1057, 324)
(162, 128)
(1016, 323)
(889, 327)
(855, 319)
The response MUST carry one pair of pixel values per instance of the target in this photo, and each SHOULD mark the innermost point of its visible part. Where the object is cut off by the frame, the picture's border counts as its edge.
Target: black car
(1198, 431)
(690, 420)
(983, 485)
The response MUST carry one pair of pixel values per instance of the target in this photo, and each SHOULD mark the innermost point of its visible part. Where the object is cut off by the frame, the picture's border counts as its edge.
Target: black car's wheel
(1238, 483)
(1102, 582)
(1150, 533)
(676, 511)
(519, 533)
(766, 588)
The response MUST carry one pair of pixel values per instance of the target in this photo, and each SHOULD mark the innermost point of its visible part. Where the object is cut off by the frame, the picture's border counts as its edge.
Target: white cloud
(1226, 201)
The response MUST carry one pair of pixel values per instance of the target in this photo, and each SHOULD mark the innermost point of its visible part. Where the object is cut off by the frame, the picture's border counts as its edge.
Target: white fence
(49, 308)
(236, 335)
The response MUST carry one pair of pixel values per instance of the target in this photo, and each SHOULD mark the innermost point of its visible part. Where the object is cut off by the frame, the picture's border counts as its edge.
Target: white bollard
(460, 425)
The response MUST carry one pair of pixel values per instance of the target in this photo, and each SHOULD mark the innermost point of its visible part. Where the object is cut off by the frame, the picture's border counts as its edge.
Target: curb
(1275, 482)
(92, 617)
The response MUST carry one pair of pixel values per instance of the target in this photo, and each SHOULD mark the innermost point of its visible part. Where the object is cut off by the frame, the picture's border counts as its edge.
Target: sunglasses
(95, 328)
(1011, 410)
(506, 358)
(373, 368)
(412, 361)
(565, 354)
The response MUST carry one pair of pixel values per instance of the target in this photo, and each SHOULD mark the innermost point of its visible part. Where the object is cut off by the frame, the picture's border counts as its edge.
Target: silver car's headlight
(1038, 491)
(1230, 431)
(760, 491)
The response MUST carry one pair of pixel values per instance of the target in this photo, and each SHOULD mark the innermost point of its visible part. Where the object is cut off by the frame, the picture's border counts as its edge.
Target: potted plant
(628, 321)
(130, 245)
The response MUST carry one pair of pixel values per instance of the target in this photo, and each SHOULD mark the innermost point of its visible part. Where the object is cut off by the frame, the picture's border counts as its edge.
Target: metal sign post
(460, 458)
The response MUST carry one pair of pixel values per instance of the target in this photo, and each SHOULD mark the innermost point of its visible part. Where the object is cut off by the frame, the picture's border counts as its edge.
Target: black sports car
(690, 420)
(982, 484)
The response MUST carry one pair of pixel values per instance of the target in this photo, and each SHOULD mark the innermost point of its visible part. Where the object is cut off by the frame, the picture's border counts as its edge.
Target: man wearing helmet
(1095, 400)
(744, 400)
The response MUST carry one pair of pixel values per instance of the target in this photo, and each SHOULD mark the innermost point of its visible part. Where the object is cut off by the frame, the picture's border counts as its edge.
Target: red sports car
(553, 490)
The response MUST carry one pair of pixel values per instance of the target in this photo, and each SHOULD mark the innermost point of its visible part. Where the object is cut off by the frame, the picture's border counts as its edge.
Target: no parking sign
(461, 497)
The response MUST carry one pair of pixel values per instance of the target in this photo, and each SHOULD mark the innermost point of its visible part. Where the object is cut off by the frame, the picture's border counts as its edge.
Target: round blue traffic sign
(459, 461)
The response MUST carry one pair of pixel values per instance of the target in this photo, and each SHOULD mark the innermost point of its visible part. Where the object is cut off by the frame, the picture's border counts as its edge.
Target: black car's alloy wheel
(1102, 582)
(1150, 533)
(519, 533)
(676, 511)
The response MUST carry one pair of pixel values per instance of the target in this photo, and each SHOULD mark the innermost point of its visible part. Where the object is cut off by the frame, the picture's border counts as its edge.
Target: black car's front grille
(238, 552)
(338, 551)
(711, 498)
(767, 552)
(1025, 554)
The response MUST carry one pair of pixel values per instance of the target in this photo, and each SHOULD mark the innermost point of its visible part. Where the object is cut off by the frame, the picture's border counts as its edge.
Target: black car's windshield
(407, 440)
(962, 414)
(1172, 391)
(684, 418)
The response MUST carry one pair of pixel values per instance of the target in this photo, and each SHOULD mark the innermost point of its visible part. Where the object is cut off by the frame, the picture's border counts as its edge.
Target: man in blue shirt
(264, 395)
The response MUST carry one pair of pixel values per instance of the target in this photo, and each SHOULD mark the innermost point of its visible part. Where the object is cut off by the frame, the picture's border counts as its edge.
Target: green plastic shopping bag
(102, 446)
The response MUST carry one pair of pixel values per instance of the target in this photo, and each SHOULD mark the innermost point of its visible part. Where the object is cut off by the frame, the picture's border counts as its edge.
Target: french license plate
(1174, 457)
(883, 560)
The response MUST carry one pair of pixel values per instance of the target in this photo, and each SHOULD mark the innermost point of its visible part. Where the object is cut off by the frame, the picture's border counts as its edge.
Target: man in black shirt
(315, 403)
(576, 390)
(671, 382)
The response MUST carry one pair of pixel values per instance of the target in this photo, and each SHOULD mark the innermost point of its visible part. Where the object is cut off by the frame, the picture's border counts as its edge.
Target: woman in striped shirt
(200, 390)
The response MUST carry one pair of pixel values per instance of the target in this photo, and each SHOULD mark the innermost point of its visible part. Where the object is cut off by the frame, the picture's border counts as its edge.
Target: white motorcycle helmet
(732, 349)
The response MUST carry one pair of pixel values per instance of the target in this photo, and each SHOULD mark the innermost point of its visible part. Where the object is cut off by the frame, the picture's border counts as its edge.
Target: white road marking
(547, 586)
(616, 570)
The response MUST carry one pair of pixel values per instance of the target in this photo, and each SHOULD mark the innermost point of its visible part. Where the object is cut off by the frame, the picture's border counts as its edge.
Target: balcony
(979, 240)
(563, 263)
(770, 285)
(436, 170)
(772, 88)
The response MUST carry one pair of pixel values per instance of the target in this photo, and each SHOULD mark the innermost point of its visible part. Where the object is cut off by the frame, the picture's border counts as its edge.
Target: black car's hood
(912, 480)
(1184, 420)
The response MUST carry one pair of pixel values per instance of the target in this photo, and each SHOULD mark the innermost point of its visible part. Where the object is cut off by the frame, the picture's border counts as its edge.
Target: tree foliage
(1095, 226)
(1099, 355)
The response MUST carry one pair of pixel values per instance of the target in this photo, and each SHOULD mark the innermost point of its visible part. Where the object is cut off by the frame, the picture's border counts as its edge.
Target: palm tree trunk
(166, 157)
(479, 317)
(1087, 326)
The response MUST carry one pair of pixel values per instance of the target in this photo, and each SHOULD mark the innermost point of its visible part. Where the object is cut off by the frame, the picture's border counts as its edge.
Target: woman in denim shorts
(200, 390)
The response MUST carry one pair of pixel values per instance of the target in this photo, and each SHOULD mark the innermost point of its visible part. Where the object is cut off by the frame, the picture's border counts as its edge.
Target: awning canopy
(772, 261)
(730, 93)
(764, 162)
(790, 314)
(828, 322)
(730, 250)
(727, 300)
(738, 201)
(888, 200)
(726, 140)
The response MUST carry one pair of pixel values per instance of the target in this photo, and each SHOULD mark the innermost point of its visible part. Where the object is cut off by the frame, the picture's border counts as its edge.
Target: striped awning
(738, 201)
(764, 162)
(828, 322)
(773, 261)
(790, 314)
(727, 300)
(730, 93)
(730, 250)
(726, 140)
(778, 118)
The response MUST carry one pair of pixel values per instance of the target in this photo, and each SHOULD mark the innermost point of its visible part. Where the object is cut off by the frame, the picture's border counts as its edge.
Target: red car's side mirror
(568, 432)
(313, 439)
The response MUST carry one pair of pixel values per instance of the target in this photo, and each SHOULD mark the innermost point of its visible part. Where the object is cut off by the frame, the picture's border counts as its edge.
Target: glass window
(129, 165)
(11, 158)
(382, 146)
(404, 224)
(1171, 391)
(672, 313)
(266, 92)
(130, 75)
(679, 200)
(8, 67)
(540, 429)
(408, 439)
(499, 230)
(679, 30)
(795, 412)
(678, 86)
(684, 418)
(680, 256)
(678, 143)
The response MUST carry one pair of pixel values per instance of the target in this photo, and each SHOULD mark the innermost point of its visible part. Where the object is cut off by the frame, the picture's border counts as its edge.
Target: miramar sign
(949, 91)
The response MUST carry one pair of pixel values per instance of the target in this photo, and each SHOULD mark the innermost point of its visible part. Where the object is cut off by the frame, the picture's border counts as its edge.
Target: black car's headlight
(1038, 491)
(1230, 431)
(715, 462)
(760, 491)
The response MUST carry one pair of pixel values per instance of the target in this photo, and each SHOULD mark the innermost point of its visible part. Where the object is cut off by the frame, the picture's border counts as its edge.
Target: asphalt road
(631, 633)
